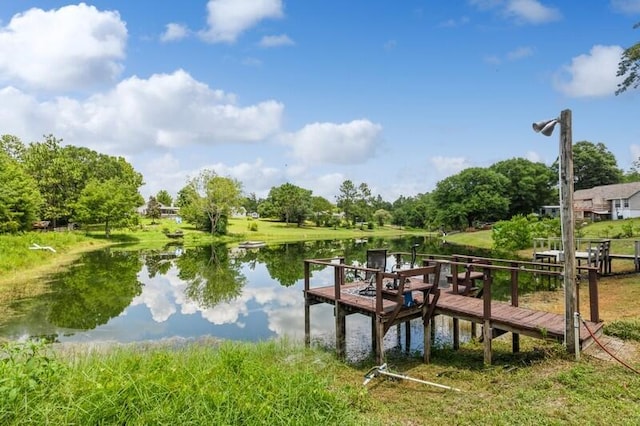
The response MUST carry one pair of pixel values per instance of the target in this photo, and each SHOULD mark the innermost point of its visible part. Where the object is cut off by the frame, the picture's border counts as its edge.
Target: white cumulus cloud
(174, 32)
(227, 19)
(346, 143)
(71, 48)
(592, 74)
(163, 111)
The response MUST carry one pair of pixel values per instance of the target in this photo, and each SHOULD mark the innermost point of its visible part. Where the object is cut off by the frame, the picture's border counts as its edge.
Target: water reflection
(239, 294)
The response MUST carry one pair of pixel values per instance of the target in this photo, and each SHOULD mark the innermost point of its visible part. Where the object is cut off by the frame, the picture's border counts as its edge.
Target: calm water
(126, 296)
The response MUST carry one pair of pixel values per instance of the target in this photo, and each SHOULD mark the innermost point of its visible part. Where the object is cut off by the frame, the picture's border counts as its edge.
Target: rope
(607, 350)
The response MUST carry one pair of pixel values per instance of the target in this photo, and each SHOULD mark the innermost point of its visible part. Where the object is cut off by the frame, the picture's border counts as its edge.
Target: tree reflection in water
(99, 287)
(212, 276)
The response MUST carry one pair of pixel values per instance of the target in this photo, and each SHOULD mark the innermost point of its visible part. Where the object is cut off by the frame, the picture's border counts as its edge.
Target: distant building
(618, 201)
(550, 211)
(165, 211)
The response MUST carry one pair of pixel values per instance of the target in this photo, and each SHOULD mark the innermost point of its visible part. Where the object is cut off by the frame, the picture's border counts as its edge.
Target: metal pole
(567, 219)
(382, 369)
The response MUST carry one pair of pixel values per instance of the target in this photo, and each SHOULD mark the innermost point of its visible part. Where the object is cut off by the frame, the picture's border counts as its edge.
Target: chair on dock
(466, 283)
(376, 259)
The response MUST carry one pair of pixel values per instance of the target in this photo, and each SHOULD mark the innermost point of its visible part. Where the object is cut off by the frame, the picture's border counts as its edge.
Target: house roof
(608, 192)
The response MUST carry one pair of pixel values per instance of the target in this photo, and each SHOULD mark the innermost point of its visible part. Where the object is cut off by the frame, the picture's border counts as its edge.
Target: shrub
(253, 226)
(511, 235)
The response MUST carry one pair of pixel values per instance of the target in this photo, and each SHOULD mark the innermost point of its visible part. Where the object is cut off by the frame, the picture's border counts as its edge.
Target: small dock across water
(391, 298)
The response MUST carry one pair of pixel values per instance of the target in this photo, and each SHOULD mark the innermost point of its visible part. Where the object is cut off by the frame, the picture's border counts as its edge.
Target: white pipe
(382, 370)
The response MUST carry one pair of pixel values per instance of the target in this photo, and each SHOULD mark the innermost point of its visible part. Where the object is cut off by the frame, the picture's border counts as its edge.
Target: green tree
(20, 199)
(530, 186)
(164, 198)
(62, 172)
(355, 201)
(593, 165)
(382, 216)
(289, 203)
(633, 175)
(12, 146)
(321, 210)
(112, 202)
(417, 212)
(474, 194)
(250, 203)
(629, 67)
(211, 196)
(153, 209)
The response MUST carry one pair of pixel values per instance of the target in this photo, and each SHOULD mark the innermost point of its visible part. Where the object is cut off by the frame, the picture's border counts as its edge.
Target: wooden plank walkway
(514, 319)
(421, 294)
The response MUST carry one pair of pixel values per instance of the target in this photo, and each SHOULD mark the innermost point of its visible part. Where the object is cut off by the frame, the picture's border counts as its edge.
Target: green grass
(231, 384)
(271, 231)
(624, 329)
(278, 383)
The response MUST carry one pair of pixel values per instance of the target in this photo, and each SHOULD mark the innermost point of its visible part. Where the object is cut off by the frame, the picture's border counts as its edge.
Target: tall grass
(270, 383)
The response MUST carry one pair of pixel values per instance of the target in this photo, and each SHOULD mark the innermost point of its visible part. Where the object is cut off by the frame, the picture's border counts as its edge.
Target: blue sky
(398, 93)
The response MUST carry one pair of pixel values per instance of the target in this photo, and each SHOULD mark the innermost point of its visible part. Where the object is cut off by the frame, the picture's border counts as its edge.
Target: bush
(511, 235)
(253, 226)
(627, 228)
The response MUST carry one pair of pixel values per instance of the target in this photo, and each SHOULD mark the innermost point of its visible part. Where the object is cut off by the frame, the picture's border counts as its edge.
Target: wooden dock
(388, 305)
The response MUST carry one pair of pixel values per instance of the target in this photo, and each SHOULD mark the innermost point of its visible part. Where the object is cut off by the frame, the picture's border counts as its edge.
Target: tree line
(45, 180)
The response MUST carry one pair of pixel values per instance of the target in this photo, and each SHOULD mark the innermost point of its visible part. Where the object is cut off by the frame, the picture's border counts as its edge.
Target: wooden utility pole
(568, 222)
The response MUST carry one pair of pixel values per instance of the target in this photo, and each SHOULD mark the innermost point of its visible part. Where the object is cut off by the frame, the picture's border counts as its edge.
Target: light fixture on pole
(565, 180)
(545, 127)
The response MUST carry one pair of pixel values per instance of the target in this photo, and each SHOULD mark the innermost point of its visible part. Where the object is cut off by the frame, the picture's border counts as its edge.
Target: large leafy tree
(474, 194)
(62, 172)
(111, 202)
(530, 186)
(416, 212)
(288, 202)
(593, 165)
(164, 198)
(321, 209)
(20, 199)
(629, 67)
(355, 201)
(212, 197)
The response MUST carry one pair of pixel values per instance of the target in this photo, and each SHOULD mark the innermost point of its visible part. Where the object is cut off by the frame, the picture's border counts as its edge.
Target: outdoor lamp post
(565, 172)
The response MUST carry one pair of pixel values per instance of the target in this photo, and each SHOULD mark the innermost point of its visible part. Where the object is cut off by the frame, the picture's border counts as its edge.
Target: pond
(123, 295)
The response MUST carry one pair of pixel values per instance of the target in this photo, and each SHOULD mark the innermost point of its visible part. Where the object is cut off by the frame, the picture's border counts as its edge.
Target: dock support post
(379, 341)
(427, 340)
(307, 308)
(456, 334)
(515, 337)
(373, 333)
(407, 336)
(307, 322)
(486, 329)
(341, 330)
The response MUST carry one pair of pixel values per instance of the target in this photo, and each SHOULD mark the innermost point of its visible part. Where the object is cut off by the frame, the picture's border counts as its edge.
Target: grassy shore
(278, 383)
